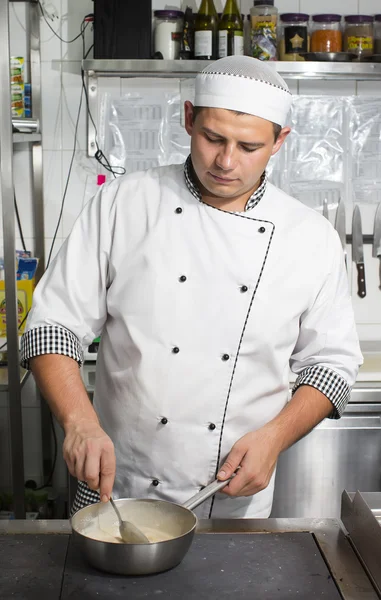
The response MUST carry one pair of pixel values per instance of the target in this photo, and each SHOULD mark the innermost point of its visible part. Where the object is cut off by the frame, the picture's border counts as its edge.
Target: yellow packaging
(17, 69)
(17, 100)
(17, 113)
(25, 288)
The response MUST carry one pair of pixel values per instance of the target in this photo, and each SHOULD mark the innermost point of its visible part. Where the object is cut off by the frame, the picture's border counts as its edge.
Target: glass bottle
(264, 19)
(230, 31)
(205, 32)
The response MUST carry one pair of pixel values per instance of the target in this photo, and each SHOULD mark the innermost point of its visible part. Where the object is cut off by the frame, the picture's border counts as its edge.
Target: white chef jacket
(202, 313)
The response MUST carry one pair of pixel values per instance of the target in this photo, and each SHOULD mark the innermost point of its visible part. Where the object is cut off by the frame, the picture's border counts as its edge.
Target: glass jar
(326, 33)
(377, 34)
(168, 32)
(358, 35)
(294, 36)
(264, 21)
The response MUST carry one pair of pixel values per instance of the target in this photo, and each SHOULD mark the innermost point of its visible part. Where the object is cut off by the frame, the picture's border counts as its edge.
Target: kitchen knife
(341, 228)
(377, 238)
(325, 209)
(358, 252)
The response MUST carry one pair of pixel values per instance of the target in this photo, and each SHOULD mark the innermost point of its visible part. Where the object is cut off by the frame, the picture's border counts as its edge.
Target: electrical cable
(99, 156)
(67, 180)
(50, 476)
(81, 33)
(88, 52)
(19, 223)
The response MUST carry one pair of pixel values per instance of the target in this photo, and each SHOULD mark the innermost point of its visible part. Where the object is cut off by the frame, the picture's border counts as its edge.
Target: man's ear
(188, 113)
(280, 140)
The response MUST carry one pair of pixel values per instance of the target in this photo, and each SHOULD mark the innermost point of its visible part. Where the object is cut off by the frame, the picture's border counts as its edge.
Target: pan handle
(206, 493)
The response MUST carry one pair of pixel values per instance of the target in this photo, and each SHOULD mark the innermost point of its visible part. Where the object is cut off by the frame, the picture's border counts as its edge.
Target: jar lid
(359, 19)
(377, 18)
(263, 2)
(294, 17)
(168, 14)
(328, 18)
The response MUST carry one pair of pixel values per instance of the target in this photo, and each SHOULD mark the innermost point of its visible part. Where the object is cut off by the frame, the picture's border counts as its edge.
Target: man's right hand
(90, 456)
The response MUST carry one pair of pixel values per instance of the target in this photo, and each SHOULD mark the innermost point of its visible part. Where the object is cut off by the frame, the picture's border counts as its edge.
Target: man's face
(230, 151)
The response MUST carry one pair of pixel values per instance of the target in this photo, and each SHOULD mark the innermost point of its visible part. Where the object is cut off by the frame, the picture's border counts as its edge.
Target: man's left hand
(256, 455)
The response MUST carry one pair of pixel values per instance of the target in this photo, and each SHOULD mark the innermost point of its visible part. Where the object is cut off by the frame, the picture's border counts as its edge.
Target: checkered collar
(192, 186)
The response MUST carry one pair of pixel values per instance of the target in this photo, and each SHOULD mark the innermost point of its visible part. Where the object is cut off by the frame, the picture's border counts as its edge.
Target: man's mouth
(221, 179)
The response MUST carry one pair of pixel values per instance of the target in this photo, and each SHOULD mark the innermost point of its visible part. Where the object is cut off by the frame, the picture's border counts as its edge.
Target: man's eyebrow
(218, 135)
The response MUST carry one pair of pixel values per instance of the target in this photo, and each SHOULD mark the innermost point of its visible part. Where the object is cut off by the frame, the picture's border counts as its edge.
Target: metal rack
(185, 69)
(13, 377)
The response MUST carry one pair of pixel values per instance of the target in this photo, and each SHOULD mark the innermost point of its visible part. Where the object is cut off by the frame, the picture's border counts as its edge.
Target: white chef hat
(244, 84)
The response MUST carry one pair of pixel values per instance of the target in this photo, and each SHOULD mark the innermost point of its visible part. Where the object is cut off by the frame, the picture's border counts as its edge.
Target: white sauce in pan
(108, 532)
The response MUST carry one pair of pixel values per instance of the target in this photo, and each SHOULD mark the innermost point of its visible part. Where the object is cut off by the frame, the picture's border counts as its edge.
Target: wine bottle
(205, 32)
(230, 31)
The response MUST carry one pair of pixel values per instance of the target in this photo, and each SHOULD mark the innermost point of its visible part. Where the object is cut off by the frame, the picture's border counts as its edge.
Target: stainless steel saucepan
(173, 523)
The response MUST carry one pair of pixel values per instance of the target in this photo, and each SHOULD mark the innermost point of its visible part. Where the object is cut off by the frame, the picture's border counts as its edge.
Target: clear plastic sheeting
(317, 140)
(141, 129)
(365, 149)
(333, 151)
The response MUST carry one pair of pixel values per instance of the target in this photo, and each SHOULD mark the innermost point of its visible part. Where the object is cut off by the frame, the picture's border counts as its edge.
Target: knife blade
(325, 208)
(376, 252)
(358, 252)
(340, 227)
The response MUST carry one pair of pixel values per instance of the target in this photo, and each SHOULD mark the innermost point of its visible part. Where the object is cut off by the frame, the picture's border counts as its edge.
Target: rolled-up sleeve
(69, 305)
(327, 354)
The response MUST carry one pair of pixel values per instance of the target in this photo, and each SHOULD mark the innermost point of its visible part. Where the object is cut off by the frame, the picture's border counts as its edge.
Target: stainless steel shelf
(189, 68)
(4, 381)
(24, 138)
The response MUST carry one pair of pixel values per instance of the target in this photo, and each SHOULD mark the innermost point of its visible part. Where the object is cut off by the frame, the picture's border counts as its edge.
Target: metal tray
(373, 58)
(328, 56)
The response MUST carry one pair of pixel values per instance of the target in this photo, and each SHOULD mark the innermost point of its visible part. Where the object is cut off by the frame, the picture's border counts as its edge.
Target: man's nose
(226, 158)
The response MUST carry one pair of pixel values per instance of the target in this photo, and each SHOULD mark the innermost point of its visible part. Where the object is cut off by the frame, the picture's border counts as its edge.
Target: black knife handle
(361, 289)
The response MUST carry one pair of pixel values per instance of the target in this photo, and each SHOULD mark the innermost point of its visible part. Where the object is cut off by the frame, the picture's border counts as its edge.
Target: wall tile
(369, 7)
(52, 190)
(29, 243)
(283, 6)
(18, 36)
(82, 186)
(57, 245)
(51, 106)
(23, 182)
(327, 88)
(50, 43)
(369, 88)
(329, 6)
(73, 13)
(71, 94)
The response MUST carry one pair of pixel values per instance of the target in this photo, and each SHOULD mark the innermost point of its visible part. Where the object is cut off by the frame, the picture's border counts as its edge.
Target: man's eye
(248, 149)
(213, 140)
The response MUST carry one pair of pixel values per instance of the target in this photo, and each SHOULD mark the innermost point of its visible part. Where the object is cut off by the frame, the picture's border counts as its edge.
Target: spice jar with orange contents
(326, 33)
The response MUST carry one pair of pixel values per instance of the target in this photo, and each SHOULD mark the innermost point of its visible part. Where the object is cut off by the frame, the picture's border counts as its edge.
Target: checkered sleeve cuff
(49, 339)
(329, 383)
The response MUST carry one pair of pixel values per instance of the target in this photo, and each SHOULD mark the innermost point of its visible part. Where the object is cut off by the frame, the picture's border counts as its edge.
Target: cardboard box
(25, 288)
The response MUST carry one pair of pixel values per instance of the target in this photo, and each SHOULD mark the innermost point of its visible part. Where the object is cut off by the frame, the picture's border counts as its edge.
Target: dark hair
(277, 128)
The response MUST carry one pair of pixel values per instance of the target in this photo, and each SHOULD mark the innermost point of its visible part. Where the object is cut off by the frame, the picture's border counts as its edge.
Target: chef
(207, 285)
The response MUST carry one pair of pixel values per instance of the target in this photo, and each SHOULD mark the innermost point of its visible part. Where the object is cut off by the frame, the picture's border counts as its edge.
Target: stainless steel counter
(329, 534)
